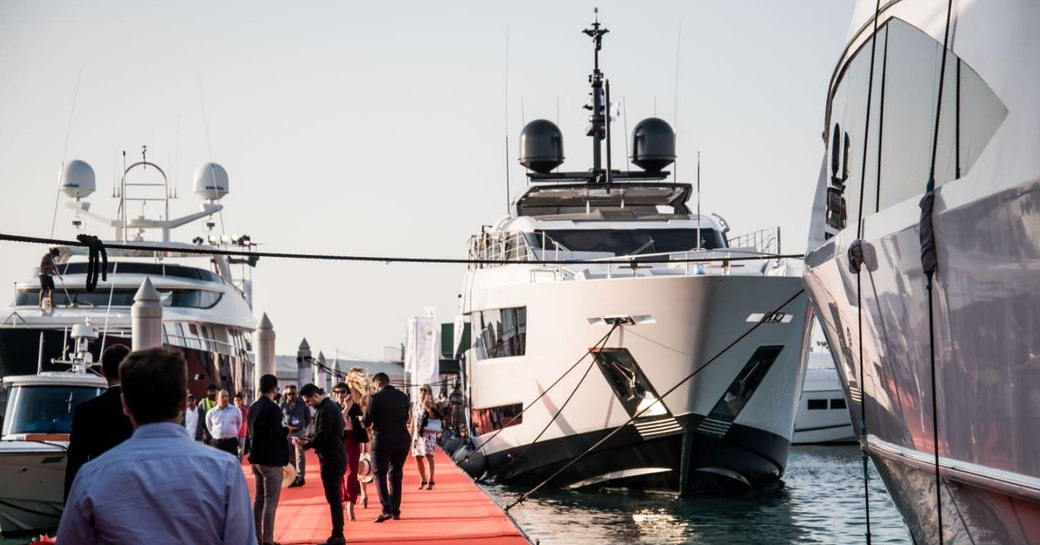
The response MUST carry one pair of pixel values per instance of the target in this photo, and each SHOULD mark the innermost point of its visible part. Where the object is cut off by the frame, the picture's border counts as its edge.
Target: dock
(455, 511)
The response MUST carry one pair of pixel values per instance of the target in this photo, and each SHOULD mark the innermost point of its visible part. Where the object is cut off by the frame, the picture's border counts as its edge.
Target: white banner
(422, 352)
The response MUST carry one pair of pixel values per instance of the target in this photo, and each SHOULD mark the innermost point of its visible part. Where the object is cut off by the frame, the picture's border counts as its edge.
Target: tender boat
(924, 259)
(618, 256)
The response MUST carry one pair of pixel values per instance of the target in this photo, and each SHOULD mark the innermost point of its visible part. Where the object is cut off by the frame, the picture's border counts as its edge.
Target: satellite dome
(77, 180)
(653, 144)
(211, 182)
(541, 146)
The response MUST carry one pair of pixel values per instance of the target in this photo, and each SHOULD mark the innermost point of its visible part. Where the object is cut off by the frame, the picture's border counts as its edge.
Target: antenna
(698, 199)
(65, 151)
(506, 90)
(606, 90)
(596, 129)
(675, 110)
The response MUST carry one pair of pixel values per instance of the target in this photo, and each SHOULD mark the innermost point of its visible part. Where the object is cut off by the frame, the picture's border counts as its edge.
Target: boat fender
(451, 445)
(472, 461)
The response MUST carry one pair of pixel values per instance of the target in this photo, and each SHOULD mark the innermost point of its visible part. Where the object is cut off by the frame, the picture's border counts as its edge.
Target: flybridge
(578, 198)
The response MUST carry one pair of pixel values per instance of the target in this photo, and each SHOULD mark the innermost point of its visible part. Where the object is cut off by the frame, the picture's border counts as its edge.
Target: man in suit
(387, 414)
(332, 453)
(269, 452)
(98, 424)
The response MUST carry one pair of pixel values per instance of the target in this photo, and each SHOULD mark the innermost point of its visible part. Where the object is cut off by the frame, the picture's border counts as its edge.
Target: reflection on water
(819, 501)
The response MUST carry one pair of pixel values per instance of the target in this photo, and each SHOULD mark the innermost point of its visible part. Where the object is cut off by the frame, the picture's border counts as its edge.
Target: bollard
(264, 349)
(146, 318)
(303, 364)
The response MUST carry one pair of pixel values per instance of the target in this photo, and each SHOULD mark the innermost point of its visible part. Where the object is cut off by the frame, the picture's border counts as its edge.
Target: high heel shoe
(364, 502)
(429, 486)
(350, 512)
(422, 485)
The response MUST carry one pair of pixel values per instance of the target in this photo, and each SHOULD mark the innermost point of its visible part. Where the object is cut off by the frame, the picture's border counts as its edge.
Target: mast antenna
(596, 121)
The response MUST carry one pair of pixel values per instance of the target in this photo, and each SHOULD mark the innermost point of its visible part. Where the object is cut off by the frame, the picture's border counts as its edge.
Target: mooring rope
(929, 265)
(599, 346)
(659, 399)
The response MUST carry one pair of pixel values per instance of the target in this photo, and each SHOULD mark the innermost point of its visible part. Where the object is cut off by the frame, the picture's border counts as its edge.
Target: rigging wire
(574, 460)
(200, 250)
(65, 151)
(599, 346)
(929, 265)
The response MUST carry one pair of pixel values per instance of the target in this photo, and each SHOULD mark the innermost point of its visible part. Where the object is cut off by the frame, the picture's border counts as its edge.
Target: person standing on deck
(267, 454)
(160, 486)
(297, 418)
(48, 268)
(387, 414)
(98, 424)
(332, 455)
(243, 431)
(458, 417)
(223, 422)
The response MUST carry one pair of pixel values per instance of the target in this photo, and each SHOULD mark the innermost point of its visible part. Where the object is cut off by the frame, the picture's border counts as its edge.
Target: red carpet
(455, 511)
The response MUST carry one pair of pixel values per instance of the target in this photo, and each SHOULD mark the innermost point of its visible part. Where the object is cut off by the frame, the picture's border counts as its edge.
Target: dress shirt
(224, 423)
(191, 420)
(159, 487)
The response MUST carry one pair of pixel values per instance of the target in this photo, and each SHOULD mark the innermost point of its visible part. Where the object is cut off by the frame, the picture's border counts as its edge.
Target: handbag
(433, 425)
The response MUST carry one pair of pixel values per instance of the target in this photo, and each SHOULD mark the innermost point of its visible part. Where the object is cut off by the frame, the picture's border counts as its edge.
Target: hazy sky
(380, 128)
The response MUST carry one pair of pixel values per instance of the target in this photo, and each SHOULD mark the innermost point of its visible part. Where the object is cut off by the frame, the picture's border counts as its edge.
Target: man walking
(98, 424)
(223, 422)
(269, 452)
(332, 453)
(387, 414)
(297, 418)
(194, 422)
(158, 487)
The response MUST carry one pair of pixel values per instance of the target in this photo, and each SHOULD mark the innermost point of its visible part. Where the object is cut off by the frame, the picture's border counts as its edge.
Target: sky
(388, 128)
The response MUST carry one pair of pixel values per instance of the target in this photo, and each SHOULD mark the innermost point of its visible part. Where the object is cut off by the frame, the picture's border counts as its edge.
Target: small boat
(823, 415)
(36, 427)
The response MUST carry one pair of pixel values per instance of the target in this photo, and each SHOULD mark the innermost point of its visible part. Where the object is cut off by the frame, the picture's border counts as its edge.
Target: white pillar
(320, 375)
(265, 364)
(146, 317)
(303, 365)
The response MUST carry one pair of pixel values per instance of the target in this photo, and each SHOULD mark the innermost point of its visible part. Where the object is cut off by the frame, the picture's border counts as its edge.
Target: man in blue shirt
(160, 486)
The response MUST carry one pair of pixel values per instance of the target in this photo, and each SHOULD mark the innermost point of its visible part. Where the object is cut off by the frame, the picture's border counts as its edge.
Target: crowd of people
(177, 461)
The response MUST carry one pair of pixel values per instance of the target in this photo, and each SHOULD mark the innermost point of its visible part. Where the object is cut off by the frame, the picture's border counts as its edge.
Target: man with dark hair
(270, 451)
(159, 486)
(48, 268)
(223, 423)
(387, 414)
(298, 419)
(98, 424)
(193, 419)
(332, 453)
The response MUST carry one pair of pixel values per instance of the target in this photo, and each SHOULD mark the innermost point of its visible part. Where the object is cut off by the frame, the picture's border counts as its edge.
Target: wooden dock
(455, 511)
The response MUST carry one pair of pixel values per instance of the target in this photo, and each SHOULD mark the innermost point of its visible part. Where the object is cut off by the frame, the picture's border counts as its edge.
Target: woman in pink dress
(355, 439)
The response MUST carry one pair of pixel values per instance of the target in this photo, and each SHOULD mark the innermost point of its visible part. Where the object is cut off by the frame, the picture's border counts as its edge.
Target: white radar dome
(77, 180)
(211, 181)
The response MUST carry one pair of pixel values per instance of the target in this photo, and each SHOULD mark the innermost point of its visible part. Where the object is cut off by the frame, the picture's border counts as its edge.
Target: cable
(714, 358)
(199, 250)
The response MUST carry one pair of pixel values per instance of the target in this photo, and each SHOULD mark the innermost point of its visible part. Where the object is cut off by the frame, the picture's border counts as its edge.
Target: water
(819, 501)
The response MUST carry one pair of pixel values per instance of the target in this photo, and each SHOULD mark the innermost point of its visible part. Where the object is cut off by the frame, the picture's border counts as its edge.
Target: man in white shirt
(223, 422)
(158, 487)
(193, 419)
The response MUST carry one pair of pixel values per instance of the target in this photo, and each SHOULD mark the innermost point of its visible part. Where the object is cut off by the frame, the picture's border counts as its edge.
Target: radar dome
(653, 144)
(77, 180)
(211, 181)
(541, 146)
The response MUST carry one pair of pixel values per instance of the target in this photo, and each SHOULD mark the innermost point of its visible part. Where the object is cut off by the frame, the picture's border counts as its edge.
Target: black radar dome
(541, 146)
(653, 144)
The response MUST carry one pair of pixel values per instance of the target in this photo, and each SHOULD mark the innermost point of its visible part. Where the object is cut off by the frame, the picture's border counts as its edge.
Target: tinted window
(838, 403)
(502, 332)
(488, 420)
(817, 404)
(627, 241)
(45, 409)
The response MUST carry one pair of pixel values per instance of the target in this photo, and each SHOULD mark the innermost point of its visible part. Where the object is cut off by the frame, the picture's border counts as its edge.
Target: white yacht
(207, 311)
(918, 153)
(823, 414)
(585, 251)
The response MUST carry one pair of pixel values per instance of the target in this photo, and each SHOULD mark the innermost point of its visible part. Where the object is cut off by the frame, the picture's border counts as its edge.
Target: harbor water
(819, 501)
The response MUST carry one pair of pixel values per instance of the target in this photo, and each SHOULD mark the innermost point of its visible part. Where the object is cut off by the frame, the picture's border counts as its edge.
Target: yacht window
(120, 298)
(502, 332)
(620, 242)
(45, 409)
(495, 418)
(838, 404)
(817, 404)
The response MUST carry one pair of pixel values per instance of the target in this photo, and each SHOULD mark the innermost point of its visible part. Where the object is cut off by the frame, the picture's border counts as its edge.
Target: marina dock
(455, 511)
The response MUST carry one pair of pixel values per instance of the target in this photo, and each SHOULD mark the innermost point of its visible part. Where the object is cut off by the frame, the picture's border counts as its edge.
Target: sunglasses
(339, 392)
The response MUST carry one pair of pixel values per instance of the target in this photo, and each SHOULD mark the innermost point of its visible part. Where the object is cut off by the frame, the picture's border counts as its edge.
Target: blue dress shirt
(159, 487)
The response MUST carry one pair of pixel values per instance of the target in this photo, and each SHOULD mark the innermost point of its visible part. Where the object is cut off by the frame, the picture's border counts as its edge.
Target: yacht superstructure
(952, 326)
(619, 257)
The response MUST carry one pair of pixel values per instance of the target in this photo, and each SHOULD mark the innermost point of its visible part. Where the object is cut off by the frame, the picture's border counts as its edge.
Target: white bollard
(146, 317)
(265, 364)
(303, 364)
(320, 376)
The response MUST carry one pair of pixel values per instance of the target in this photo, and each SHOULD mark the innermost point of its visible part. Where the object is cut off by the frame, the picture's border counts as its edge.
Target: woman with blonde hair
(355, 437)
(425, 425)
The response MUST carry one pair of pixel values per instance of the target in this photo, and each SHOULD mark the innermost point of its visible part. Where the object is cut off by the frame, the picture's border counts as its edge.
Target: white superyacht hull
(32, 496)
(702, 440)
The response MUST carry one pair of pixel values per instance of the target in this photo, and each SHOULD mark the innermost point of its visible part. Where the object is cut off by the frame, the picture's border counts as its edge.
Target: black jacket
(328, 435)
(355, 415)
(387, 414)
(270, 446)
(200, 433)
(97, 425)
